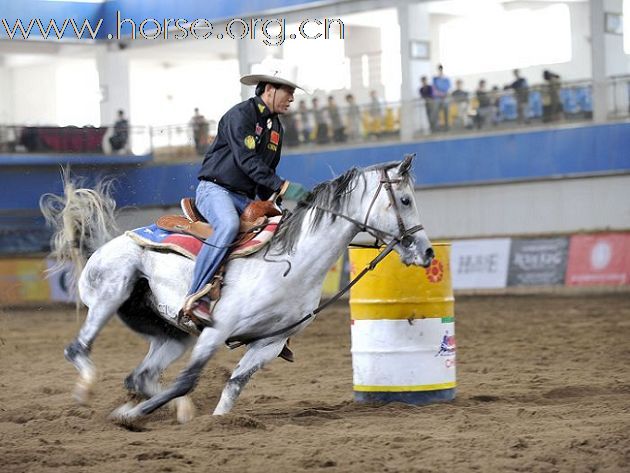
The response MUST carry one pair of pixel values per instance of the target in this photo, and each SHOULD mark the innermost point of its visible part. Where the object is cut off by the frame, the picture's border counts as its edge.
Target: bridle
(404, 238)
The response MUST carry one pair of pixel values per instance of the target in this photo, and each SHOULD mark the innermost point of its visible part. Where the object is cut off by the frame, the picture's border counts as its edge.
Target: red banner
(599, 259)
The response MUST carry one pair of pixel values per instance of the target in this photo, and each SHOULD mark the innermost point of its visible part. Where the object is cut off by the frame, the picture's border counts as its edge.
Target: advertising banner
(538, 262)
(22, 280)
(59, 281)
(599, 259)
(480, 264)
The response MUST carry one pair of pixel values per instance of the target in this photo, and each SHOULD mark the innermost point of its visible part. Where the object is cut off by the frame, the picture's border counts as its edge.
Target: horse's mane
(333, 195)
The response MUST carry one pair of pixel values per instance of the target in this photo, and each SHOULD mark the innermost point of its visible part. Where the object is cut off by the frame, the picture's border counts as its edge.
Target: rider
(239, 165)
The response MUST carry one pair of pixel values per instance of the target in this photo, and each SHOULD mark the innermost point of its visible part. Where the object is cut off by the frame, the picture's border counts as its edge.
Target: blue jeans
(222, 209)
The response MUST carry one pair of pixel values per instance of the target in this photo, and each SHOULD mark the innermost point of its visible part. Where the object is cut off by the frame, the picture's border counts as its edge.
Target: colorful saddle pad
(186, 245)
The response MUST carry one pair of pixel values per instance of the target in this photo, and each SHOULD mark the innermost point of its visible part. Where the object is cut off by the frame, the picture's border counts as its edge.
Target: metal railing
(345, 124)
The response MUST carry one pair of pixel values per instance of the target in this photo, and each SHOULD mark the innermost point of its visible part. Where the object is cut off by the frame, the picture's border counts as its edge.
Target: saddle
(253, 220)
(192, 223)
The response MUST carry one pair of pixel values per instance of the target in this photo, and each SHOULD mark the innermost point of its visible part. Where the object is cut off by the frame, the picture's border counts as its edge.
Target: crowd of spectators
(333, 119)
(441, 107)
(330, 123)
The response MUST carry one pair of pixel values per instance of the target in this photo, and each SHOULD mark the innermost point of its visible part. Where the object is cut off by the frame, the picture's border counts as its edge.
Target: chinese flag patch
(275, 137)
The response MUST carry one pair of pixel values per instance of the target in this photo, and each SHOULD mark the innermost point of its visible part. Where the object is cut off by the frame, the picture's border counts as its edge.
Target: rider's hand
(295, 191)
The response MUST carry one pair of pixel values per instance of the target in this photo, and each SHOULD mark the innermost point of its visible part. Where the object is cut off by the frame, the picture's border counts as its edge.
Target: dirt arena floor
(543, 386)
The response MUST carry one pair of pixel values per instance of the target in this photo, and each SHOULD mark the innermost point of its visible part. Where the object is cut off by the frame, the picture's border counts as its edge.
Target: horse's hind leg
(144, 380)
(78, 351)
(103, 290)
(255, 358)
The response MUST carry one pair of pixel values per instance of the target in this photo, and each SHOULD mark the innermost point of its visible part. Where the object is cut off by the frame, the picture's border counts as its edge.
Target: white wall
(579, 67)
(527, 208)
(166, 94)
(6, 95)
(34, 94)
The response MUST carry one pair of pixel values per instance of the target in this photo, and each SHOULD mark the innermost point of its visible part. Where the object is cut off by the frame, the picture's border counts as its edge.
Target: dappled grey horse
(266, 298)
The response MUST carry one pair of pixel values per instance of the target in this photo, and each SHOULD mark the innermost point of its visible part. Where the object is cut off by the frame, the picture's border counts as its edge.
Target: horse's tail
(82, 221)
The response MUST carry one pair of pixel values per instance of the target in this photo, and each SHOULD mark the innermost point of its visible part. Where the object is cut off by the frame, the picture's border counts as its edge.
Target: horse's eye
(405, 200)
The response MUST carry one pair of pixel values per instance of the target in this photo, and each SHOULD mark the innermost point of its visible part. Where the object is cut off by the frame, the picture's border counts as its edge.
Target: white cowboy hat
(255, 79)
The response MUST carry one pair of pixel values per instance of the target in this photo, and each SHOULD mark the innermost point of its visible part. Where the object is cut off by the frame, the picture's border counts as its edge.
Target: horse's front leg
(207, 344)
(257, 356)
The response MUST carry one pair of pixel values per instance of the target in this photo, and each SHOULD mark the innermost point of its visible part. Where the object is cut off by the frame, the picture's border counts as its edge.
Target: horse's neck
(319, 249)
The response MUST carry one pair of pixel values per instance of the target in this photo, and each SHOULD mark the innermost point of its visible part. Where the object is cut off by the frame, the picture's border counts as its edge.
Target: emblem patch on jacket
(261, 107)
(250, 142)
(275, 137)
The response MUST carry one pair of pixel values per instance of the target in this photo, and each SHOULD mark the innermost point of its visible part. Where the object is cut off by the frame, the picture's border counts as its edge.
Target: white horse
(262, 304)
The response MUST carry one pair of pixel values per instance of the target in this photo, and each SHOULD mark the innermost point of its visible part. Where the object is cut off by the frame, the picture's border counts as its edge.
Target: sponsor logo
(272, 147)
(601, 255)
(447, 347)
(259, 129)
(250, 142)
(435, 272)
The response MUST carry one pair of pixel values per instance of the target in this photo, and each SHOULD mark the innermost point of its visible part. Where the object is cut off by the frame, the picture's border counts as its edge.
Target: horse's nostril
(429, 253)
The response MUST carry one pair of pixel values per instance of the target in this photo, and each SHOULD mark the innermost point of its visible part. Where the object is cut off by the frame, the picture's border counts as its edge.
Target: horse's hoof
(83, 389)
(124, 416)
(184, 409)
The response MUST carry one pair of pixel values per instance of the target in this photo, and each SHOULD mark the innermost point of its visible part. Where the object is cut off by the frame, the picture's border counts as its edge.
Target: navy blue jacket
(246, 151)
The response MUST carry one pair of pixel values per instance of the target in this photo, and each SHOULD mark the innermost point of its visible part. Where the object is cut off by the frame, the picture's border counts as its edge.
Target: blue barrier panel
(459, 161)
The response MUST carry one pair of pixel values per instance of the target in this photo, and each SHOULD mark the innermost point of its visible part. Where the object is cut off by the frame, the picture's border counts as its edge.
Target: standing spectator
(521, 93)
(339, 133)
(552, 107)
(376, 110)
(306, 124)
(427, 105)
(291, 134)
(321, 125)
(441, 86)
(495, 96)
(119, 138)
(199, 126)
(485, 111)
(353, 119)
(460, 98)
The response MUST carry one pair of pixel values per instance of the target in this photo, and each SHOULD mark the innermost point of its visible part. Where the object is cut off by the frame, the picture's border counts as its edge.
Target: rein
(404, 239)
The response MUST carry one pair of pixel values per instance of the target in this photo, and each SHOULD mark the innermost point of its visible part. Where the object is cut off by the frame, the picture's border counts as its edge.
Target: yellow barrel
(403, 329)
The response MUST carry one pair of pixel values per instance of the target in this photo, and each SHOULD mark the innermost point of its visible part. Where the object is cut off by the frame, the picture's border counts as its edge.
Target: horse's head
(393, 212)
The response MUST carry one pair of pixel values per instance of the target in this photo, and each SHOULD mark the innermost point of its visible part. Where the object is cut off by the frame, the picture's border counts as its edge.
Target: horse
(264, 297)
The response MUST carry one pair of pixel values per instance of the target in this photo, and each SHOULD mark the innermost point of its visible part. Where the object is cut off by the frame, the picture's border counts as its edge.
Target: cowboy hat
(255, 79)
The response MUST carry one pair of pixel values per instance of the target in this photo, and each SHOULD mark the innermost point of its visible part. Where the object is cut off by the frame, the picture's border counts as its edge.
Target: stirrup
(286, 353)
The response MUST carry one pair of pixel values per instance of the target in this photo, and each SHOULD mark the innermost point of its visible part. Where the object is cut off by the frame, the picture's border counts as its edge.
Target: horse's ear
(405, 165)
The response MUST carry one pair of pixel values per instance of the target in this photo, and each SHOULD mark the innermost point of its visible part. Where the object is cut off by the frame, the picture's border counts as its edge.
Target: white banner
(480, 264)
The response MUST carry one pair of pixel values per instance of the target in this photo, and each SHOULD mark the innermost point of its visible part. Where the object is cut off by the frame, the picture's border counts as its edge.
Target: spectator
(460, 98)
(485, 111)
(376, 110)
(521, 93)
(353, 119)
(321, 125)
(291, 134)
(427, 105)
(200, 128)
(119, 138)
(306, 124)
(495, 95)
(552, 107)
(441, 86)
(339, 132)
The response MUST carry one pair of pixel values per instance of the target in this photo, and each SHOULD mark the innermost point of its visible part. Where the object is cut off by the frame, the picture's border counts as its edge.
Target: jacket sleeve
(240, 128)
